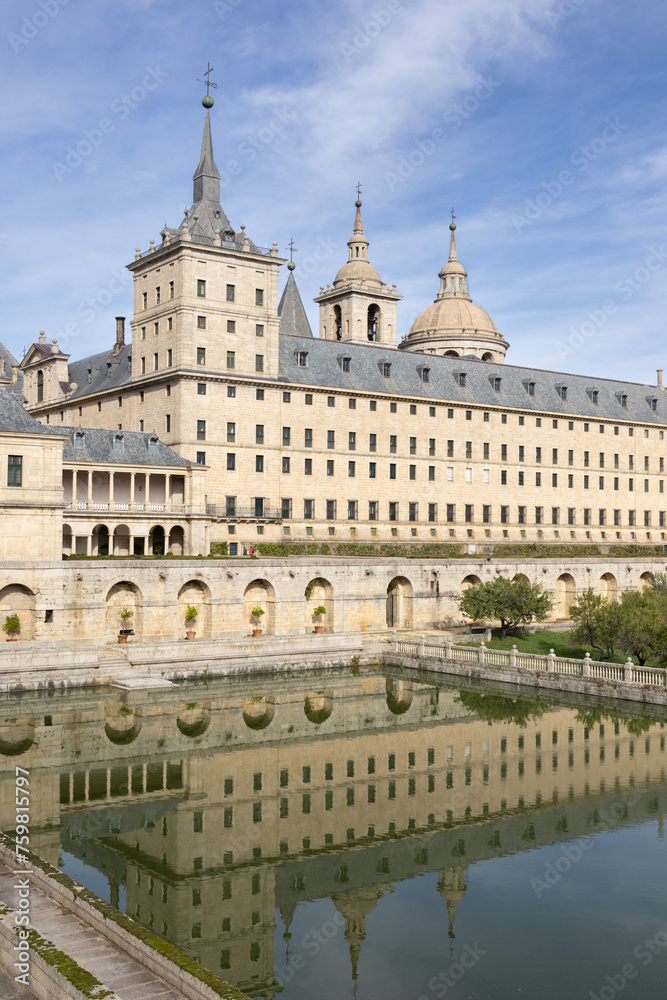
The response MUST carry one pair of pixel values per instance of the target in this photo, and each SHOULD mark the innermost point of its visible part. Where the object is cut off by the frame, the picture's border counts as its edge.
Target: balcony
(111, 507)
(254, 512)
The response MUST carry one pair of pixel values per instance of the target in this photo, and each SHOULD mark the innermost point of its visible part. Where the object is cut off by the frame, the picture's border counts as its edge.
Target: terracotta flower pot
(319, 629)
(256, 632)
(12, 638)
(122, 639)
(191, 635)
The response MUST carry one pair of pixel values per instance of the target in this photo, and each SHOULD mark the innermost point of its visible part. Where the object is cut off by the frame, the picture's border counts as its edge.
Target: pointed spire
(206, 179)
(358, 243)
(453, 276)
(452, 244)
(293, 319)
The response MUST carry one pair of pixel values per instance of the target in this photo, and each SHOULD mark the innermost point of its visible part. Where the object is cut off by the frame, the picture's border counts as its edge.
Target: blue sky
(541, 121)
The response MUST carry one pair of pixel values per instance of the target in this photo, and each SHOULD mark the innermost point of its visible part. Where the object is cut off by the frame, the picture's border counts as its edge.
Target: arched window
(40, 387)
(338, 323)
(373, 329)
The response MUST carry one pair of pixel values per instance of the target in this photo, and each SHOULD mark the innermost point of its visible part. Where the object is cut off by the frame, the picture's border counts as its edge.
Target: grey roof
(106, 372)
(325, 369)
(14, 418)
(8, 361)
(293, 319)
(98, 447)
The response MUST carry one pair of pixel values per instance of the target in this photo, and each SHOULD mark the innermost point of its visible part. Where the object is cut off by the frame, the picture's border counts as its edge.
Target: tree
(598, 623)
(643, 629)
(511, 602)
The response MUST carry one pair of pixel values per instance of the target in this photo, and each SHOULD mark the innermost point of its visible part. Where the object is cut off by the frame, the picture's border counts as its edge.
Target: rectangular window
(171, 289)
(331, 510)
(433, 512)
(451, 513)
(201, 356)
(554, 479)
(351, 404)
(412, 471)
(230, 293)
(259, 296)
(393, 510)
(522, 515)
(392, 444)
(201, 288)
(331, 439)
(503, 453)
(287, 436)
(352, 441)
(286, 508)
(486, 514)
(504, 515)
(201, 430)
(631, 518)
(555, 515)
(259, 362)
(372, 510)
(587, 515)
(373, 404)
(487, 450)
(286, 464)
(231, 462)
(231, 391)
(413, 446)
(259, 433)
(372, 470)
(308, 437)
(392, 470)
(450, 449)
(538, 478)
(259, 463)
(431, 446)
(231, 433)
(468, 449)
(469, 511)
(571, 512)
(330, 467)
(231, 359)
(602, 517)
(352, 510)
(259, 329)
(522, 452)
(155, 362)
(412, 512)
(431, 473)
(15, 470)
(372, 442)
(539, 511)
(352, 469)
(308, 467)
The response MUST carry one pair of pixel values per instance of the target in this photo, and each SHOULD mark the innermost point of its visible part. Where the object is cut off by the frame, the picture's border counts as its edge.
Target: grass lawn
(544, 641)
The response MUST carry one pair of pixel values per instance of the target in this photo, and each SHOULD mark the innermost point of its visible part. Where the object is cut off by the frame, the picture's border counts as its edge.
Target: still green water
(364, 834)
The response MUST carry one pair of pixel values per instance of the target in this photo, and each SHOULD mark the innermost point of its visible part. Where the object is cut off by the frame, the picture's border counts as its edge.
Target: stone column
(112, 489)
(86, 784)
(132, 478)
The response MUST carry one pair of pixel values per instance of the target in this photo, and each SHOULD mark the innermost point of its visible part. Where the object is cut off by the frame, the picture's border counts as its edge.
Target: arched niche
(399, 696)
(487, 356)
(258, 712)
(193, 721)
(319, 593)
(123, 595)
(156, 540)
(318, 706)
(15, 599)
(122, 725)
(646, 581)
(565, 595)
(16, 739)
(260, 594)
(399, 603)
(195, 594)
(176, 541)
(100, 540)
(121, 540)
(470, 581)
(608, 587)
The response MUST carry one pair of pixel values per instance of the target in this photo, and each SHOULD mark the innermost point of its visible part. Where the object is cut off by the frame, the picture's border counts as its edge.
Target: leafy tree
(493, 708)
(643, 628)
(598, 623)
(511, 602)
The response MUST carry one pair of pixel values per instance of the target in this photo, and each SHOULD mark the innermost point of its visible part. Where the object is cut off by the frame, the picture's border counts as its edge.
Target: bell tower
(360, 308)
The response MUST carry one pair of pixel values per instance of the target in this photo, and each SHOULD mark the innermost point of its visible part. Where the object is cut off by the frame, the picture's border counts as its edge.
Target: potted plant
(256, 614)
(318, 612)
(12, 627)
(125, 616)
(190, 616)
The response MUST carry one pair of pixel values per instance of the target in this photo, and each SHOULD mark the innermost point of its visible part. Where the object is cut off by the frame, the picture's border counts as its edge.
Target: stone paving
(9, 990)
(110, 965)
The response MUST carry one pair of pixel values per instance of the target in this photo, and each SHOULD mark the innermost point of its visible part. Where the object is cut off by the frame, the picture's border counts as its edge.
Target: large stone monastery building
(222, 418)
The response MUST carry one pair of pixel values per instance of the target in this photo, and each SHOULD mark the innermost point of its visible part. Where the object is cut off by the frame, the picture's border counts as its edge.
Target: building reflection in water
(216, 806)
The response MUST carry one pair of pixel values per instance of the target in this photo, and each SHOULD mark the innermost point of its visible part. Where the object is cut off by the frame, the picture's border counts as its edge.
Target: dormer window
(594, 395)
(385, 368)
(303, 359)
(345, 364)
(460, 378)
(623, 400)
(653, 403)
(118, 442)
(495, 382)
(530, 388)
(562, 391)
(152, 445)
(424, 374)
(79, 440)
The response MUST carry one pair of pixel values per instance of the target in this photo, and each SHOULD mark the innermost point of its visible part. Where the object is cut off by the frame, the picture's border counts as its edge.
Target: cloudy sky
(542, 122)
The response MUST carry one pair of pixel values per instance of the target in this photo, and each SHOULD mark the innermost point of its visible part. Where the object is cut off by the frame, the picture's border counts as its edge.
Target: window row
(230, 293)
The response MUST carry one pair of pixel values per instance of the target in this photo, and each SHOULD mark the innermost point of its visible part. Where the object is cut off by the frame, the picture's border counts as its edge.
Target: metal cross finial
(292, 249)
(358, 190)
(208, 81)
(453, 216)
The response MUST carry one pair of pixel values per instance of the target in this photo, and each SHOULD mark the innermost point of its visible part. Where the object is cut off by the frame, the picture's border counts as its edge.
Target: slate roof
(14, 418)
(8, 361)
(99, 447)
(293, 319)
(107, 372)
(325, 370)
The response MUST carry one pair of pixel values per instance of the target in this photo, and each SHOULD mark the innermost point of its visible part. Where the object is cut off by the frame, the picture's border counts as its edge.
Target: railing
(512, 659)
(74, 506)
(251, 513)
(206, 241)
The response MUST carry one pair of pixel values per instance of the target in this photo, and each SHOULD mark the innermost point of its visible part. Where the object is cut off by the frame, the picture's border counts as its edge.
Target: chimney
(660, 385)
(120, 335)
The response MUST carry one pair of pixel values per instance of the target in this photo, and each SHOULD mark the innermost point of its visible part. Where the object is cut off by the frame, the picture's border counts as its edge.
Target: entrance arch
(646, 581)
(121, 540)
(260, 594)
(176, 541)
(156, 540)
(124, 595)
(100, 545)
(15, 599)
(470, 581)
(195, 594)
(319, 593)
(608, 587)
(399, 603)
(565, 594)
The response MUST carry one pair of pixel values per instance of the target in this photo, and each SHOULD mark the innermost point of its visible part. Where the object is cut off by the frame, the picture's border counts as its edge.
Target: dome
(453, 324)
(358, 270)
(452, 317)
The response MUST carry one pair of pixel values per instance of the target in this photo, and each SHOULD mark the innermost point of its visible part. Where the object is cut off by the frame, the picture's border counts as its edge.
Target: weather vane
(358, 190)
(292, 250)
(208, 100)
(453, 216)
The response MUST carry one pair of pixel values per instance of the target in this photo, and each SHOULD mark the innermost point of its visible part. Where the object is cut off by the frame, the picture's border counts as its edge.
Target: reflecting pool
(365, 833)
